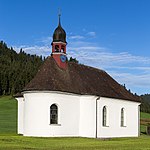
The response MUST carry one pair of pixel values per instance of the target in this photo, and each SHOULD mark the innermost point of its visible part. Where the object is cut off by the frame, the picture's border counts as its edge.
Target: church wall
(113, 127)
(37, 114)
(76, 116)
(87, 116)
(20, 115)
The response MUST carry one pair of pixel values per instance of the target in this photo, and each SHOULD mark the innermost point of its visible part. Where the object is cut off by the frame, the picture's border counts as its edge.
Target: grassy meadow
(9, 140)
(20, 143)
(8, 115)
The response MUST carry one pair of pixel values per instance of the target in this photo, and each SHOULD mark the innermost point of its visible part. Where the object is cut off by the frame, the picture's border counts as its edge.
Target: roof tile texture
(78, 79)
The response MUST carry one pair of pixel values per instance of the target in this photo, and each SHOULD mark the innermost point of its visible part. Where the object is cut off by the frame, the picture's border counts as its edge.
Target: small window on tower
(62, 49)
(56, 48)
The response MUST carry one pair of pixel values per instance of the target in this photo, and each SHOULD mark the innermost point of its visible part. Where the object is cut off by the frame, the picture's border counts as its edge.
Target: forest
(17, 69)
(145, 103)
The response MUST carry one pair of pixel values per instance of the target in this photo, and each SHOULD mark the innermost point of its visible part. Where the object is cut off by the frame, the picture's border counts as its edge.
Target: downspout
(139, 120)
(96, 117)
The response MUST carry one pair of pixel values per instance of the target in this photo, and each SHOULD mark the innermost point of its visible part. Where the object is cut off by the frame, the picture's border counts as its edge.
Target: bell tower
(59, 46)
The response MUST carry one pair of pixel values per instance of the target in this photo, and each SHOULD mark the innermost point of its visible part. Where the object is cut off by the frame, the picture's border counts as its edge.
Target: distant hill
(16, 69)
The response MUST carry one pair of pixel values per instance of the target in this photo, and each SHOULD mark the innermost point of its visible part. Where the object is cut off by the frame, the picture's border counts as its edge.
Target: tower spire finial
(59, 15)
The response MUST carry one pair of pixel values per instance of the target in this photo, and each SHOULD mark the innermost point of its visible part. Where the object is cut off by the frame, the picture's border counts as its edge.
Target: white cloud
(44, 40)
(81, 37)
(138, 83)
(126, 68)
(93, 34)
(38, 50)
(104, 57)
(76, 37)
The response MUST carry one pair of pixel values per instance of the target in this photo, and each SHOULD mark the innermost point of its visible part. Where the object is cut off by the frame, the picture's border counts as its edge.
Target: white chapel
(67, 99)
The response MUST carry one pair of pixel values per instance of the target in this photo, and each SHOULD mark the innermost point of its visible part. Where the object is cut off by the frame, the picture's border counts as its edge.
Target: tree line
(145, 103)
(16, 69)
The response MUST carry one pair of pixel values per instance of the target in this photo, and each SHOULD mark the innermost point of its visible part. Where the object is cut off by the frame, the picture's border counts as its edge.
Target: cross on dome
(59, 33)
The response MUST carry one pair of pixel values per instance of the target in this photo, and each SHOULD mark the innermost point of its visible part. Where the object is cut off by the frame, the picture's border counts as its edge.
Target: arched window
(53, 114)
(56, 48)
(62, 49)
(122, 117)
(104, 116)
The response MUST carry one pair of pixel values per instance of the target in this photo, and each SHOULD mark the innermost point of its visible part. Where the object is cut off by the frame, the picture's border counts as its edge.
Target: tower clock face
(63, 58)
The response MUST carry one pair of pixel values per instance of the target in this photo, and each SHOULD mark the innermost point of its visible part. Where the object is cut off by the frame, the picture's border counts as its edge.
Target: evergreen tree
(16, 70)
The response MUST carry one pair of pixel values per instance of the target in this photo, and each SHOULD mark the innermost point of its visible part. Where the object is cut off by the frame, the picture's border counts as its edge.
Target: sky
(112, 35)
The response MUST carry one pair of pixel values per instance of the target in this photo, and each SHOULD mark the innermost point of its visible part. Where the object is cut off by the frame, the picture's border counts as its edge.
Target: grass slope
(8, 115)
(10, 141)
(20, 143)
(145, 115)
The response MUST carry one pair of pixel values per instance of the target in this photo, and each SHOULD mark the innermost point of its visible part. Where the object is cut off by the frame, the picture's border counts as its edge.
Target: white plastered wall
(20, 115)
(37, 114)
(113, 128)
(87, 126)
(76, 116)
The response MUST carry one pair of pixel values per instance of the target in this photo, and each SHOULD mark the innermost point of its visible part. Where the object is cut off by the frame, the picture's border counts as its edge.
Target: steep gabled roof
(78, 79)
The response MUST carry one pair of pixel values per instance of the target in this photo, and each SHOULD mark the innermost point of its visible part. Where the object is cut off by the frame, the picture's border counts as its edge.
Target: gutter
(96, 117)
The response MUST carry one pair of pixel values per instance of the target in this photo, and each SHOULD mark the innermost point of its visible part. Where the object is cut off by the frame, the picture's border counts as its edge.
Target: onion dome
(59, 33)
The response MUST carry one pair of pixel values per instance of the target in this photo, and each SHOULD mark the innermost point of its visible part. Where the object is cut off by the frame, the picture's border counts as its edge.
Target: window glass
(53, 114)
(104, 116)
(122, 117)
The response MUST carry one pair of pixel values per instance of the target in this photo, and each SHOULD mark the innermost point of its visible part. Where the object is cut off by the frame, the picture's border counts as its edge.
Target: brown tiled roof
(78, 79)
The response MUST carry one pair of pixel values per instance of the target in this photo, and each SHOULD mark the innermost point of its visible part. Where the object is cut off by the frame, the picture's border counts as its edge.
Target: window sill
(55, 124)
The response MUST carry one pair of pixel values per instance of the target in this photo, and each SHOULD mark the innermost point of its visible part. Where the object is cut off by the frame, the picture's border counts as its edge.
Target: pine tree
(16, 70)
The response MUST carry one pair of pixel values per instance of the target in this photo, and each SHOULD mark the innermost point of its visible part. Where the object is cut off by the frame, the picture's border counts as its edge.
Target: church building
(67, 99)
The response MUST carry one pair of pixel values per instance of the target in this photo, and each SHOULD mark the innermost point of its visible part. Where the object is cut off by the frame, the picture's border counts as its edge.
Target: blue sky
(113, 35)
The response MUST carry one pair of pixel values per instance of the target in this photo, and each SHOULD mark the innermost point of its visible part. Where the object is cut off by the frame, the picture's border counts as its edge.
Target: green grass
(9, 140)
(20, 142)
(8, 115)
(143, 129)
(144, 115)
